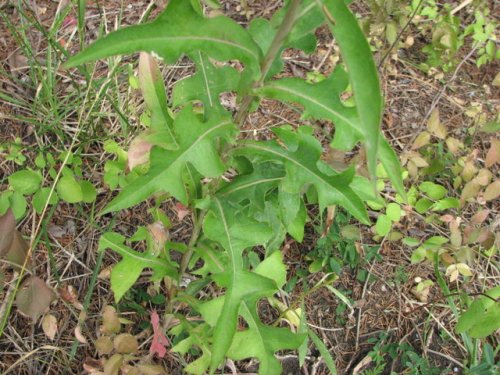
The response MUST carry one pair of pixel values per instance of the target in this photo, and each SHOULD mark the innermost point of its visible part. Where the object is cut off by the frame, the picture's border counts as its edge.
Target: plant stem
(186, 257)
(272, 53)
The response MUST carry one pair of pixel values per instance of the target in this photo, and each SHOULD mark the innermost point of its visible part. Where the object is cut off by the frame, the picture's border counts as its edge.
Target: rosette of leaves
(242, 193)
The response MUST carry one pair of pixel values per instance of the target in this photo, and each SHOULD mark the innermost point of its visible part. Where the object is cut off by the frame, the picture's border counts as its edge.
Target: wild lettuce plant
(264, 196)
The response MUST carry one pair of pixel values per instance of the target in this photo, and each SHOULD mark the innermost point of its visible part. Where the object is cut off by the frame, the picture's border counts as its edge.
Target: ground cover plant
(224, 294)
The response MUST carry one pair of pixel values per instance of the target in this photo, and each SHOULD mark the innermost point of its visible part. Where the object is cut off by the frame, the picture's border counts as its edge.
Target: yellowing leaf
(434, 125)
(454, 145)
(493, 155)
(125, 343)
(492, 191)
(79, 336)
(110, 321)
(422, 139)
(49, 326)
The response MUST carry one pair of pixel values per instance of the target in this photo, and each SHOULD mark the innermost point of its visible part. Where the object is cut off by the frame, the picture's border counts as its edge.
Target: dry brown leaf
(138, 152)
(483, 177)
(454, 145)
(112, 365)
(110, 321)
(493, 155)
(92, 366)
(7, 230)
(79, 336)
(422, 140)
(480, 217)
(49, 326)
(125, 343)
(434, 125)
(34, 297)
(470, 190)
(104, 345)
(492, 191)
(151, 370)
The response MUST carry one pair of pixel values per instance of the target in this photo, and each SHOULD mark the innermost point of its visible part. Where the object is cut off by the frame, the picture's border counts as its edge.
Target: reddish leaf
(160, 341)
(182, 211)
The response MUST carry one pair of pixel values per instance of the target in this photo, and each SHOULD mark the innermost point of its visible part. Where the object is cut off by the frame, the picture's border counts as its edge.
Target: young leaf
(178, 30)
(197, 146)
(25, 182)
(302, 169)
(126, 272)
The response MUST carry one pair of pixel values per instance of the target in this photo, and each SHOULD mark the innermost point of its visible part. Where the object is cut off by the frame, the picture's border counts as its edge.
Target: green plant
(187, 150)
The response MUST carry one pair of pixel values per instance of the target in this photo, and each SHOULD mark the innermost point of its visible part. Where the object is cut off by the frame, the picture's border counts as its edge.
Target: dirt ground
(385, 309)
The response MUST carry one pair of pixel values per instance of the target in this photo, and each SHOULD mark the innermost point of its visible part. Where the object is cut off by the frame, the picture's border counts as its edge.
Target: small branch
(272, 53)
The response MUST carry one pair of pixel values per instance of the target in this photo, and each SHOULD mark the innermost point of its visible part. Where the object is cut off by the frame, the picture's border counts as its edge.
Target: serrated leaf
(255, 185)
(197, 146)
(261, 342)
(178, 30)
(25, 182)
(301, 164)
(482, 317)
(435, 126)
(127, 271)
(206, 85)
(422, 139)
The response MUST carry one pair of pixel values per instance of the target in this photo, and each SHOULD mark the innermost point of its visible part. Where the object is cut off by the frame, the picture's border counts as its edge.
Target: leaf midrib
(312, 100)
(133, 254)
(309, 171)
(250, 184)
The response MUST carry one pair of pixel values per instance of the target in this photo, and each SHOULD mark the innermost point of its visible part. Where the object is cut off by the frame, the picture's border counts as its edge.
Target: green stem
(272, 53)
(186, 257)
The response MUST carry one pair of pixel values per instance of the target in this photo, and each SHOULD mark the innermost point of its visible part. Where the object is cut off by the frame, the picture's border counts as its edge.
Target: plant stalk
(272, 53)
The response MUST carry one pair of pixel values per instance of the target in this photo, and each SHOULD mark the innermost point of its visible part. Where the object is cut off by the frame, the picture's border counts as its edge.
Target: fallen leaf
(125, 343)
(79, 336)
(480, 217)
(454, 145)
(92, 366)
(492, 191)
(110, 321)
(104, 345)
(34, 297)
(182, 211)
(7, 230)
(435, 126)
(113, 364)
(493, 155)
(422, 139)
(49, 326)
(151, 370)
(160, 341)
